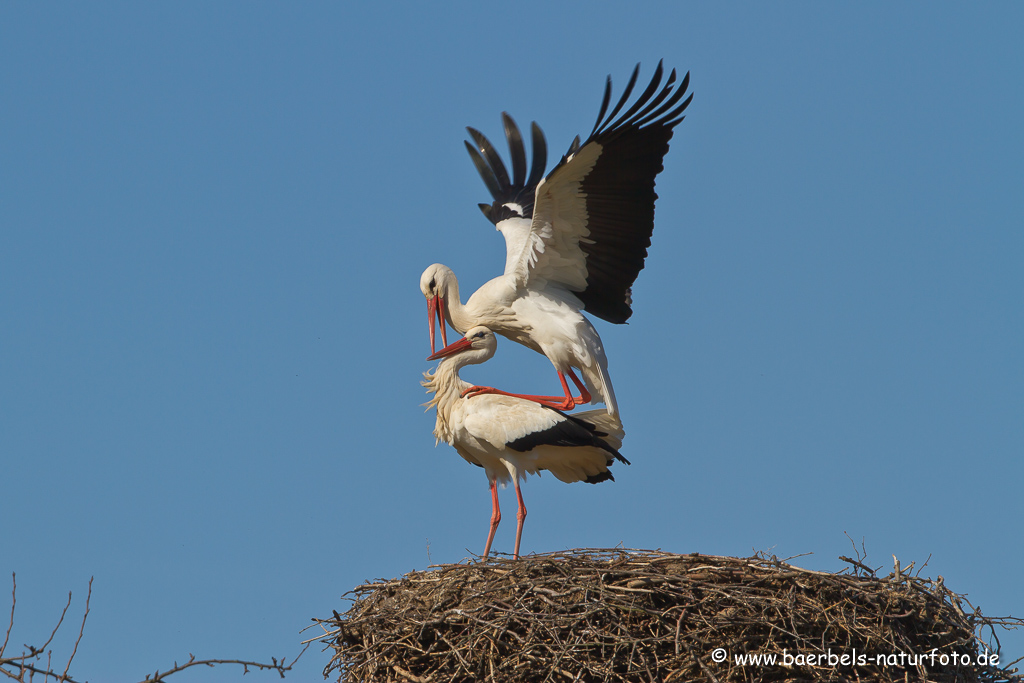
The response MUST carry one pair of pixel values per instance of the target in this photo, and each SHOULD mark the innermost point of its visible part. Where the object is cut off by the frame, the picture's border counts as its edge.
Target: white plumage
(575, 240)
(511, 437)
(546, 320)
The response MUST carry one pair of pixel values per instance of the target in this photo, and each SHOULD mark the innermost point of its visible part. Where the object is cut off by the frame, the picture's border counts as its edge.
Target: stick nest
(618, 615)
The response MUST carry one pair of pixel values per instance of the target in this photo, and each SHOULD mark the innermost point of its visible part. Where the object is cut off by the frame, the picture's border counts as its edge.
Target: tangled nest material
(623, 615)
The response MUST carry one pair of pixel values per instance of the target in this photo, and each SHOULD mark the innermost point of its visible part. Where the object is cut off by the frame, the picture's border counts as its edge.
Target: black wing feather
(622, 100)
(640, 101)
(668, 104)
(484, 170)
(540, 157)
(655, 105)
(491, 156)
(620, 192)
(571, 431)
(520, 189)
(573, 148)
(604, 102)
(516, 149)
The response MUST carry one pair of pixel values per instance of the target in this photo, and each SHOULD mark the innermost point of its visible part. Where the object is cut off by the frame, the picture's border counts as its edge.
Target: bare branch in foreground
(275, 665)
(30, 663)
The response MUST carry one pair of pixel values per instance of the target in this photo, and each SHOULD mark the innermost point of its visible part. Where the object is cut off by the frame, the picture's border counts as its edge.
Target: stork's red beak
(455, 347)
(435, 309)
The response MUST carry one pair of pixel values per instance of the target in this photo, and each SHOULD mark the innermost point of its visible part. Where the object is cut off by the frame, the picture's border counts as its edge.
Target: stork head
(435, 284)
(478, 339)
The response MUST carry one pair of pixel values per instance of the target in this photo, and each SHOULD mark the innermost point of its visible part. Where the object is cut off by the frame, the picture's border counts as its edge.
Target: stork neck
(454, 311)
(447, 388)
(446, 383)
(447, 377)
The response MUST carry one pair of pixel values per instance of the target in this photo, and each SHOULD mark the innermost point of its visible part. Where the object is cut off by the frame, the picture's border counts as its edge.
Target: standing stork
(511, 437)
(575, 239)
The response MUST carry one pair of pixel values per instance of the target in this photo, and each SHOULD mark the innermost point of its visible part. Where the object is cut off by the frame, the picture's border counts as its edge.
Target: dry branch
(30, 663)
(624, 616)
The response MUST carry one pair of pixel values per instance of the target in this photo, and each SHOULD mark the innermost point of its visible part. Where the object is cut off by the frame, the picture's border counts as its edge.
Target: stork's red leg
(520, 517)
(584, 394)
(495, 516)
(568, 402)
(550, 401)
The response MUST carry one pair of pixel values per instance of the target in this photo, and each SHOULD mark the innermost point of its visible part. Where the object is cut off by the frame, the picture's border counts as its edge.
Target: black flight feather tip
(571, 431)
(620, 189)
(520, 189)
(516, 149)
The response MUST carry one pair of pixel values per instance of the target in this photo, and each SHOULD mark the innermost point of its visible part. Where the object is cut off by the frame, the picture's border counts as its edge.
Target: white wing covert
(500, 420)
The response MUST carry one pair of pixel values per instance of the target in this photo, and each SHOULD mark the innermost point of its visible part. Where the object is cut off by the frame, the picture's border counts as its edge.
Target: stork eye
(478, 335)
(433, 283)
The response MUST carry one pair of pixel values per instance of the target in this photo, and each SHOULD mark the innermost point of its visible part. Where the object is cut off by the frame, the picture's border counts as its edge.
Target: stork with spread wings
(576, 239)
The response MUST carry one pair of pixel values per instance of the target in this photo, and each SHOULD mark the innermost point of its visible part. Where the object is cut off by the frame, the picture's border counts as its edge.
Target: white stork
(511, 437)
(575, 239)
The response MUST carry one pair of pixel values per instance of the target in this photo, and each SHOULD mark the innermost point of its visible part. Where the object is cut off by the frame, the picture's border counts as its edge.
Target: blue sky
(213, 218)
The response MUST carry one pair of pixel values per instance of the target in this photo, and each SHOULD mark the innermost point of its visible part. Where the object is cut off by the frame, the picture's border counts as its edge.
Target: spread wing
(586, 226)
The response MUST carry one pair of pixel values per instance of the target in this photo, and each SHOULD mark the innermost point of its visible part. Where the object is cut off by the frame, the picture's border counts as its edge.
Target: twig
(14, 600)
(81, 630)
(857, 563)
(279, 667)
(59, 622)
(408, 676)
